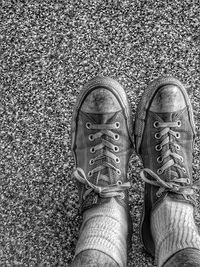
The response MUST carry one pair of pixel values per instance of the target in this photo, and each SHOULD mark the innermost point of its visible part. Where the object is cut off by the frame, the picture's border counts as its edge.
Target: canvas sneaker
(164, 137)
(102, 133)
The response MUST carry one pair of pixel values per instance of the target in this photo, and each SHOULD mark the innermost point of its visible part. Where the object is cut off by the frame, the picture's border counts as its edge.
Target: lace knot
(104, 192)
(184, 190)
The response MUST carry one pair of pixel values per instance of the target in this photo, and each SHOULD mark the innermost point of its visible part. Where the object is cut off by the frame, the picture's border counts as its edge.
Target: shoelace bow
(103, 191)
(175, 185)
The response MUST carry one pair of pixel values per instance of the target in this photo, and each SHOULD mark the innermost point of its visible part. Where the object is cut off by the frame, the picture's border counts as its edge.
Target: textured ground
(49, 49)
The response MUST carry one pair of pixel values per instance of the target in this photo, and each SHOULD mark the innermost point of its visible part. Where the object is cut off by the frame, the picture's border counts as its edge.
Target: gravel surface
(49, 49)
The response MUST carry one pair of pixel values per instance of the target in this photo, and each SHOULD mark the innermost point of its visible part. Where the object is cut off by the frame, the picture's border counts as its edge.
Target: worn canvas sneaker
(102, 143)
(164, 137)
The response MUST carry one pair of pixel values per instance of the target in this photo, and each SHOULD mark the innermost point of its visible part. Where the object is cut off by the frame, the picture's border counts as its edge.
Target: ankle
(188, 257)
(105, 228)
(173, 229)
(93, 258)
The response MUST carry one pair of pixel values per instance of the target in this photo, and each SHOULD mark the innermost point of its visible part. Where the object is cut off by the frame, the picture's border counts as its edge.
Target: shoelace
(110, 190)
(175, 185)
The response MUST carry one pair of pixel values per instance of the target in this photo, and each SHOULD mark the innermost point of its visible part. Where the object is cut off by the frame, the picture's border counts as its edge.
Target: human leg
(102, 145)
(184, 258)
(164, 136)
(93, 258)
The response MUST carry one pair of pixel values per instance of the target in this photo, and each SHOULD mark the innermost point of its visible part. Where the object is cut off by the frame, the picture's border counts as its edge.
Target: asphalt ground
(48, 50)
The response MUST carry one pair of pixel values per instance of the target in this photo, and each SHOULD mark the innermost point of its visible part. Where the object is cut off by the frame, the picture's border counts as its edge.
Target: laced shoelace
(103, 191)
(176, 183)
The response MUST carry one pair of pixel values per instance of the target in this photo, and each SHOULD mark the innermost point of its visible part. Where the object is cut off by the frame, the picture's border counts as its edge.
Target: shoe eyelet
(88, 125)
(119, 182)
(91, 162)
(116, 148)
(156, 124)
(118, 171)
(181, 158)
(117, 160)
(184, 170)
(188, 181)
(117, 125)
(91, 137)
(178, 135)
(159, 159)
(122, 196)
(87, 187)
(116, 136)
(157, 135)
(158, 194)
(179, 123)
(92, 150)
(178, 147)
(159, 171)
(158, 147)
(89, 173)
(187, 197)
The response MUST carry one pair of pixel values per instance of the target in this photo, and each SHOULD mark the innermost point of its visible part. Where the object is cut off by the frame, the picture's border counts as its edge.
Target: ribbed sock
(105, 228)
(173, 229)
(188, 257)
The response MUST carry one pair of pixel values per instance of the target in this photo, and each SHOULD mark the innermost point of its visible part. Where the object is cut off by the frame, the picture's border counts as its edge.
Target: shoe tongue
(107, 175)
(172, 171)
(103, 118)
(167, 116)
(106, 118)
(103, 178)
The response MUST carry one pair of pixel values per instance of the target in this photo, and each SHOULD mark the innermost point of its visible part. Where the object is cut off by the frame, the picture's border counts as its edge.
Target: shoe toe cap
(100, 100)
(168, 98)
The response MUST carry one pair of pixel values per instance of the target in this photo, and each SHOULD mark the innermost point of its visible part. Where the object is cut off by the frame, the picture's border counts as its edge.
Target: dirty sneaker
(164, 136)
(102, 144)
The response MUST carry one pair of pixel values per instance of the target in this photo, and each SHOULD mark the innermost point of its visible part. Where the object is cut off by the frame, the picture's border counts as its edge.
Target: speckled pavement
(48, 50)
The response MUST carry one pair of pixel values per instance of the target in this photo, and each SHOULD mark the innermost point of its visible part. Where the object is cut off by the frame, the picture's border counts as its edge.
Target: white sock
(105, 228)
(173, 229)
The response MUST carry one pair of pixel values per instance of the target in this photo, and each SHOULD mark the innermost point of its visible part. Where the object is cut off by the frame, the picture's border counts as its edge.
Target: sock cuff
(173, 229)
(105, 229)
(175, 242)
